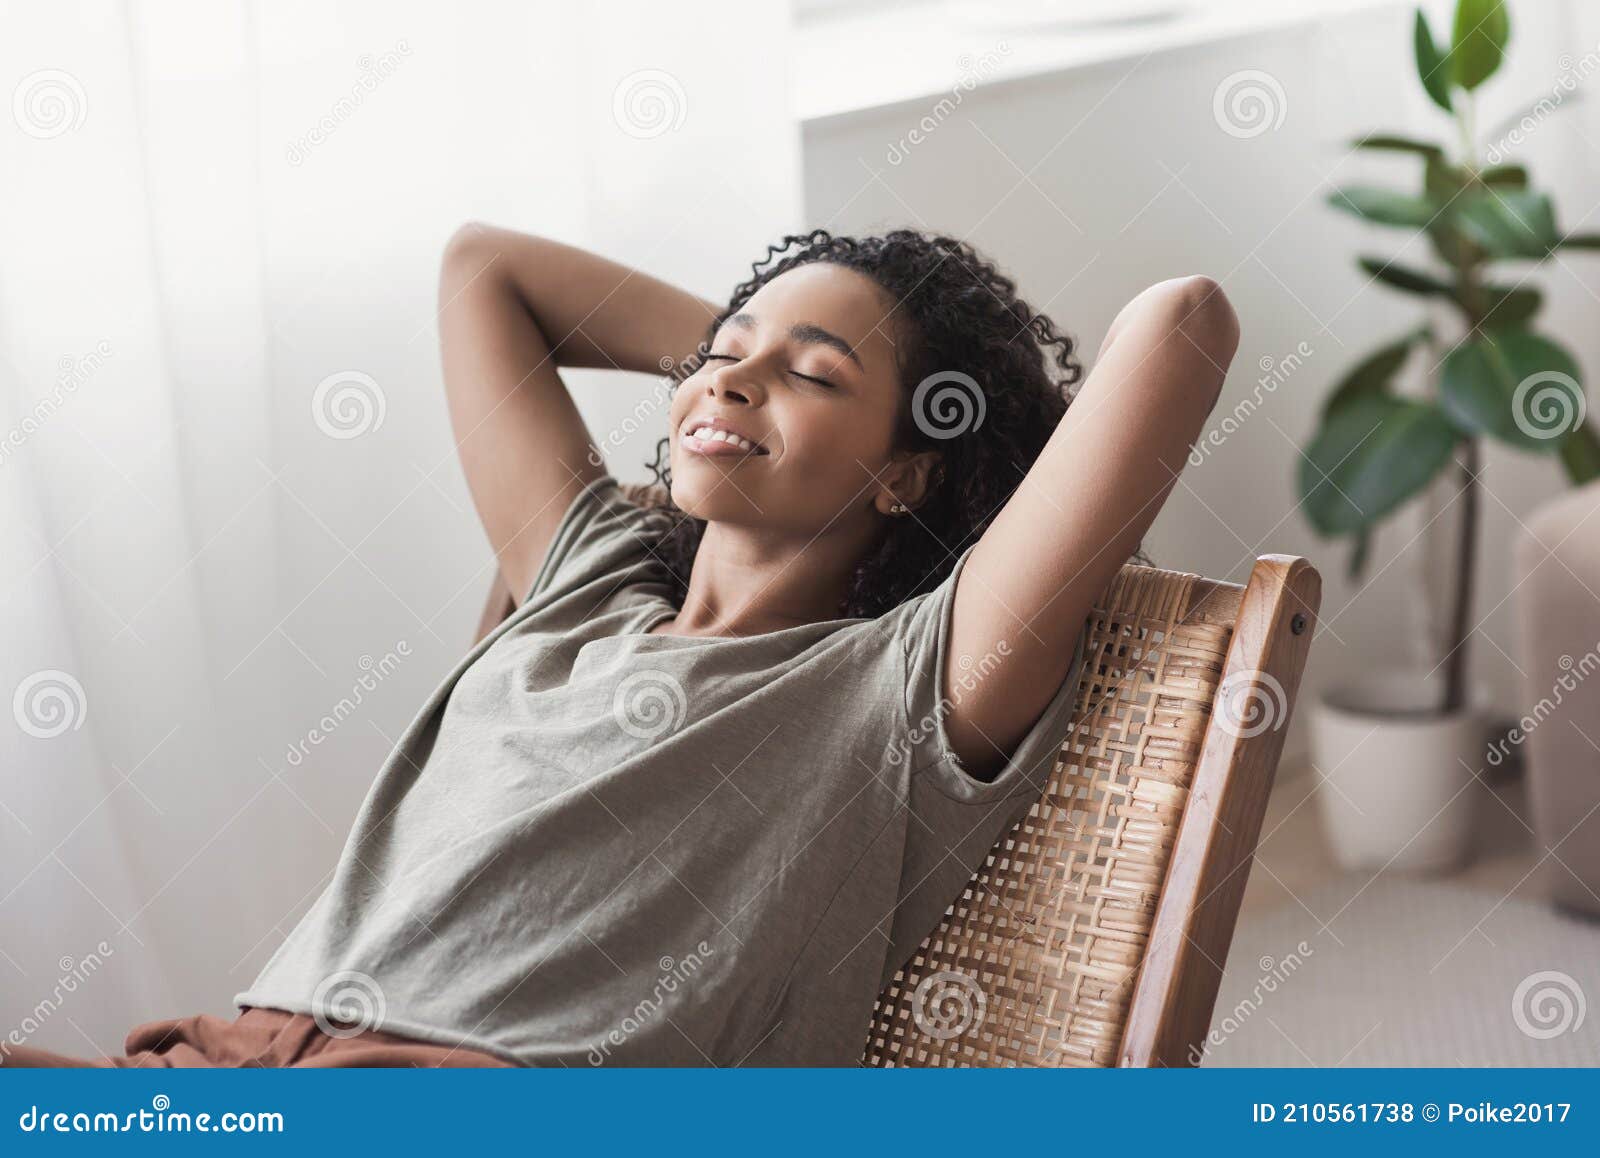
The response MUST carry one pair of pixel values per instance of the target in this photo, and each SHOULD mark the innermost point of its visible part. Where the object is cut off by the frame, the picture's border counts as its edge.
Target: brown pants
(257, 1038)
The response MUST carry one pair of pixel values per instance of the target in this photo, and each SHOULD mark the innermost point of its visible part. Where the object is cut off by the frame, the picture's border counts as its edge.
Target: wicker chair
(1097, 931)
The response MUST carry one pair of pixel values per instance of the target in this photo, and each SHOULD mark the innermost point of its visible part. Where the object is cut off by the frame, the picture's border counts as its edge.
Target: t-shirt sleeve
(956, 819)
(925, 643)
(604, 541)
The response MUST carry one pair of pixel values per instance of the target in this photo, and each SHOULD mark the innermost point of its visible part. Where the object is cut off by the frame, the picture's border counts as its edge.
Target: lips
(719, 437)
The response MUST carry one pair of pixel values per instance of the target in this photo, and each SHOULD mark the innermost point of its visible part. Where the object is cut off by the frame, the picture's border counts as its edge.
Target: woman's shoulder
(610, 531)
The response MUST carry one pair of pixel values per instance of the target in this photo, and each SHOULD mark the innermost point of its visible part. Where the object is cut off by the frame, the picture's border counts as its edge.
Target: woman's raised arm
(1083, 508)
(513, 308)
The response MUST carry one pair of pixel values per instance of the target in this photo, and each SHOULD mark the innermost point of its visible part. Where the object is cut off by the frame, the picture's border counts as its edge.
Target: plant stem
(1455, 672)
(1468, 294)
(1469, 146)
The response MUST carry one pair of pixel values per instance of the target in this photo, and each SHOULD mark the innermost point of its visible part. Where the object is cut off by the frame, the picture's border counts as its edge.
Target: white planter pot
(1396, 791)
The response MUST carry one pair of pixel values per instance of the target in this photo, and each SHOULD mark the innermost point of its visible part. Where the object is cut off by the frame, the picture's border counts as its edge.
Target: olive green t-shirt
(597, 846)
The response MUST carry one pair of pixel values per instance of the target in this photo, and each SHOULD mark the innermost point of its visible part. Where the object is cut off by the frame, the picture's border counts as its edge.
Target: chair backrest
(1096, 932)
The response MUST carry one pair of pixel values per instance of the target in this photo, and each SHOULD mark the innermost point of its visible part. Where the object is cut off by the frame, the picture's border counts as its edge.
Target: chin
(701, 492)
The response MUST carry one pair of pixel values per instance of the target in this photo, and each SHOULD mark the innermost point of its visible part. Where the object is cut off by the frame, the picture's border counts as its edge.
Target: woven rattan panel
(1034, 964)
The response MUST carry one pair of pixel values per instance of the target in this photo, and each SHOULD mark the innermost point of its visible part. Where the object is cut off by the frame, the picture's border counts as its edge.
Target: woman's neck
(745, 583)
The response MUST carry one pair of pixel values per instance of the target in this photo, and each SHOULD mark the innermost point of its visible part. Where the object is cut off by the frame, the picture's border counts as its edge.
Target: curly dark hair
(960, 314)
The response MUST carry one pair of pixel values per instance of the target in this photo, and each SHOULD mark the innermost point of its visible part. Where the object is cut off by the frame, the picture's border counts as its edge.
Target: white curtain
(236, 551)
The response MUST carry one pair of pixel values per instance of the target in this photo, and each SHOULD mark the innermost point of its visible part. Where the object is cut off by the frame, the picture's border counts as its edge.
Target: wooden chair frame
(1101, 939)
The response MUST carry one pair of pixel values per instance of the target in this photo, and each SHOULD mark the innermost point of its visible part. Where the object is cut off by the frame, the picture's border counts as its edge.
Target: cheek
(842, 443)
(678, 404)
(678, 410)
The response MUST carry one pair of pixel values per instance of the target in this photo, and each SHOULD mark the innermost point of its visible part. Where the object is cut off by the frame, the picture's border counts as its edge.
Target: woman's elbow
(476, 244)
(461, 241)
(1208, 317)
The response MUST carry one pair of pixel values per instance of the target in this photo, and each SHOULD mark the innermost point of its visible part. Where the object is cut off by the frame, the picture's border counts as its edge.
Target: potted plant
(1400, 748)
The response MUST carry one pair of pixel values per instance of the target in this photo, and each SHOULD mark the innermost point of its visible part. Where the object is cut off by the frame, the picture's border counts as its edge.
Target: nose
(728, 384)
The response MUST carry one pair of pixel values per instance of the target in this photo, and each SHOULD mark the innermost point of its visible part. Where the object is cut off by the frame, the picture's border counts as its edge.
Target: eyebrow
(808, 333)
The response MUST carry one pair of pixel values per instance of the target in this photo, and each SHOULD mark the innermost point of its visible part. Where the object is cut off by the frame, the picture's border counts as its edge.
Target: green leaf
(1510, 306)
(1442, 180)
(1580, 241)
(1513, 223)
(1384, 207)
(1431, 66)
(1580, 454)
(1481, 32)
(1369, 457)
(1444, 183)
(1360, 547)
(1453, 249)
(1390, 142)
(1515, 385)
(1372, 374)
(1410, 280)
(1505, 177)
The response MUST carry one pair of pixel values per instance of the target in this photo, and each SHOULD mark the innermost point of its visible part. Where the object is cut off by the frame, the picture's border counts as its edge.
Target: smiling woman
(906, 388)
(851, 633)
(773, 725)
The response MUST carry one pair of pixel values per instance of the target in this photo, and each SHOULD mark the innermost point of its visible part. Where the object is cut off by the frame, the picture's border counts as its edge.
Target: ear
(908, 480)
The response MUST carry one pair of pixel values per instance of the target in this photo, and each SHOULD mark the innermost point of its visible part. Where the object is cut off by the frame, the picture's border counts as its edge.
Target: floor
(1293, 855)
(1471, 967)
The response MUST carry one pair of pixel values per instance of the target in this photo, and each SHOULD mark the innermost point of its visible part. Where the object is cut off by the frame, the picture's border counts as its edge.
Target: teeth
(707, 434)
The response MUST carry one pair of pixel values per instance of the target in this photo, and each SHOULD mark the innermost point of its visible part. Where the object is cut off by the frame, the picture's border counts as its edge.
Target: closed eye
(796, 373)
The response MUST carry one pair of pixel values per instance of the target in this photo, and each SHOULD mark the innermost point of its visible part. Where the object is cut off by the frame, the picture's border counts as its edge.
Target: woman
(730, 758)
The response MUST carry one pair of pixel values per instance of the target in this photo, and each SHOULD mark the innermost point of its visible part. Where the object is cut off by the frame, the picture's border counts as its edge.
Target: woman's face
(806, 372)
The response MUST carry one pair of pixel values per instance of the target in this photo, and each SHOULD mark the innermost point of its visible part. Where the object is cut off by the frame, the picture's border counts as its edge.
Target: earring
(898, 509)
